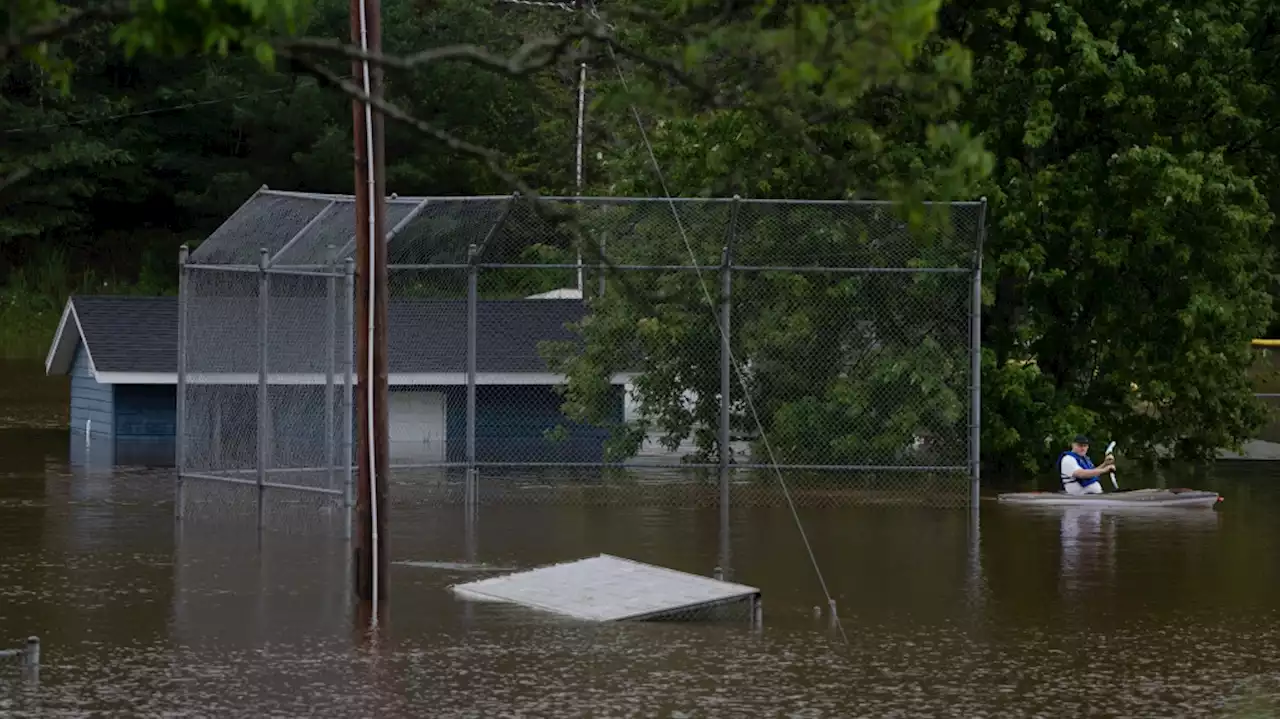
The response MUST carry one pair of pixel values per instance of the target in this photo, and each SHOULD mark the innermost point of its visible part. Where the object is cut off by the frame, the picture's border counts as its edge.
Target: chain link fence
(265, 368)
(688, 352)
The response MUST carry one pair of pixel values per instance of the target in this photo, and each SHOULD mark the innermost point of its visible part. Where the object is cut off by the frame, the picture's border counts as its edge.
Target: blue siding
(145, 412)
(90, 401)
(512, 422)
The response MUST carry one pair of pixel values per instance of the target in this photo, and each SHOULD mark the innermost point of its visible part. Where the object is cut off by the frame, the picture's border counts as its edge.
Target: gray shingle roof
(140, 334)
(130, 334)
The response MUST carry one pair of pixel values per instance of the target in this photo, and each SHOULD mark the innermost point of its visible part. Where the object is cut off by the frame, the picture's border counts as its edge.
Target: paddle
(1111, 447)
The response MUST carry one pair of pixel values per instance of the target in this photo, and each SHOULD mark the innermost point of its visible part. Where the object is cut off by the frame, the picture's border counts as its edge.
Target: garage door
(417, 427)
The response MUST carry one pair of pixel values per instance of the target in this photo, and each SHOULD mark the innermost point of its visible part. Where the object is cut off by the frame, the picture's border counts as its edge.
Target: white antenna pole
(582, 105)
(575, 6)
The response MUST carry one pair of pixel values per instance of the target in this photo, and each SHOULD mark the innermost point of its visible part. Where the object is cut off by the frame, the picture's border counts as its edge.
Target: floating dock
(606, 588)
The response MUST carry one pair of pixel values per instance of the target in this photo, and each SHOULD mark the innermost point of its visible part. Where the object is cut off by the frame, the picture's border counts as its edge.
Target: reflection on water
(1028, 611)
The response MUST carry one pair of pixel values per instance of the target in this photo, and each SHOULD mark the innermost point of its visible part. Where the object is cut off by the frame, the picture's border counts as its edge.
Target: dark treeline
(143, 154)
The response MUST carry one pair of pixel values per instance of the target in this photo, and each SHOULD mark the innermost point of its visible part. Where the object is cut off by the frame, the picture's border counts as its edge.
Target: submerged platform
(609, 589)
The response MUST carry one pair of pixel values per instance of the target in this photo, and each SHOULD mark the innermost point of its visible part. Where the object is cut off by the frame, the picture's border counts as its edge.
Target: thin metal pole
(348, 389)
(474, 252)
(473, 292)
(330, 380)
(603, 268)
(264, 406)
(31, 662)
(975, 363)
(180, 418)
(973, 578)
(582, 94)
(31, 654)
(726, 354)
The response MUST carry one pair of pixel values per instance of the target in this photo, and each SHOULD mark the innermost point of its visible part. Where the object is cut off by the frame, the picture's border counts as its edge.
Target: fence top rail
(615, 199)
(799, 269)
(329, 271)
(302, 231)
(307, 269)
(322, 271)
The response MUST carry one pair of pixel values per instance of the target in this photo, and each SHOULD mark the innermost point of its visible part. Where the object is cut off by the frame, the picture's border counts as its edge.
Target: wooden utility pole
(370, 545)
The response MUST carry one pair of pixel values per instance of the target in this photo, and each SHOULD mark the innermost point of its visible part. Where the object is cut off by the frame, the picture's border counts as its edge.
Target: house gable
(92, 403)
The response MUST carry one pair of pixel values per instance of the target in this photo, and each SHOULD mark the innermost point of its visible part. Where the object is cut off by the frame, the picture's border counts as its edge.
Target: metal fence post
(331, 357)
(180, 415)
(31, 661)
(473, 290)
(348, 393)
(31, 654)
(264, 260)
(726, 362)
(471, 485)
(975, 360)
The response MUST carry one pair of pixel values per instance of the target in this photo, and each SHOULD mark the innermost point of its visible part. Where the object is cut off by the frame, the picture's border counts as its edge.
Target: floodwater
(1051, 613)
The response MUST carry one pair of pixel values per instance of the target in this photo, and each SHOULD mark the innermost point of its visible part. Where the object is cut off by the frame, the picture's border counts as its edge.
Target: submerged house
(121, 353)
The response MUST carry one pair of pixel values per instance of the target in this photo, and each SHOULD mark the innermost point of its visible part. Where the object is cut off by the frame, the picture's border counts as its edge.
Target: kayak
(1121, 498)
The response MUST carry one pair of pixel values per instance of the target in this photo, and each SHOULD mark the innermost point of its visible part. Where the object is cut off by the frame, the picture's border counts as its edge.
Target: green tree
(1128, 263)
(828, 101)
(1129, 258)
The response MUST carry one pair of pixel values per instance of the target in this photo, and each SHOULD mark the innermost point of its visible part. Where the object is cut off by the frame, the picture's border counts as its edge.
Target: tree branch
(531, 57)
(490, 157)
(554, 214)
(15, 41)
(14, 177)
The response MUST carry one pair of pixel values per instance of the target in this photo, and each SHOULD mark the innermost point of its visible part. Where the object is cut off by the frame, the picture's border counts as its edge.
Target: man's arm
(1081, 473)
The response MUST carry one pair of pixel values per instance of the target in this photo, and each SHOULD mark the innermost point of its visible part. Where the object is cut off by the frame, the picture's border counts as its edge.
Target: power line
(144, 113)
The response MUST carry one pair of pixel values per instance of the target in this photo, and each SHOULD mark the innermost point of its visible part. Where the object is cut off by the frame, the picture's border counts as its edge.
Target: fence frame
(337, 456)
(339, 267)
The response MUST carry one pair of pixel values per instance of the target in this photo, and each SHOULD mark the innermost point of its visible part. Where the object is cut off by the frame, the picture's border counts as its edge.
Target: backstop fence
(635, 361)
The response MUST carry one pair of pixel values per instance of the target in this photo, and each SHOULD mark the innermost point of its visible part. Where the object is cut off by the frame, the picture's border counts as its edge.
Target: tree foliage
(852, 369)
(1128, 261)
(1130, 252)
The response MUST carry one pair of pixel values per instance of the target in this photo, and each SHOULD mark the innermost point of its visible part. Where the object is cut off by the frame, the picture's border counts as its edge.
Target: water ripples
(1057, 614)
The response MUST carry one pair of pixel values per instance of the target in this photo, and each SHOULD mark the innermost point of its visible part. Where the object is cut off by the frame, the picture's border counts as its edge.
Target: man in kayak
(1076, 470)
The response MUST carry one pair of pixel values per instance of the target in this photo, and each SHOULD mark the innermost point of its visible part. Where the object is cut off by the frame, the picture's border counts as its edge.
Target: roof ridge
(76, 295)
(495, 300)
(139, 333)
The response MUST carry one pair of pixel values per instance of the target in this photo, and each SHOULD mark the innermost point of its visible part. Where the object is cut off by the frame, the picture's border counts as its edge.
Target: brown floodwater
(1066, 612)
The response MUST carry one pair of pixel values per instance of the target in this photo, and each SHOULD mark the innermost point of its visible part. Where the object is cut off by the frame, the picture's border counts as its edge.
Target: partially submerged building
(121, 353)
